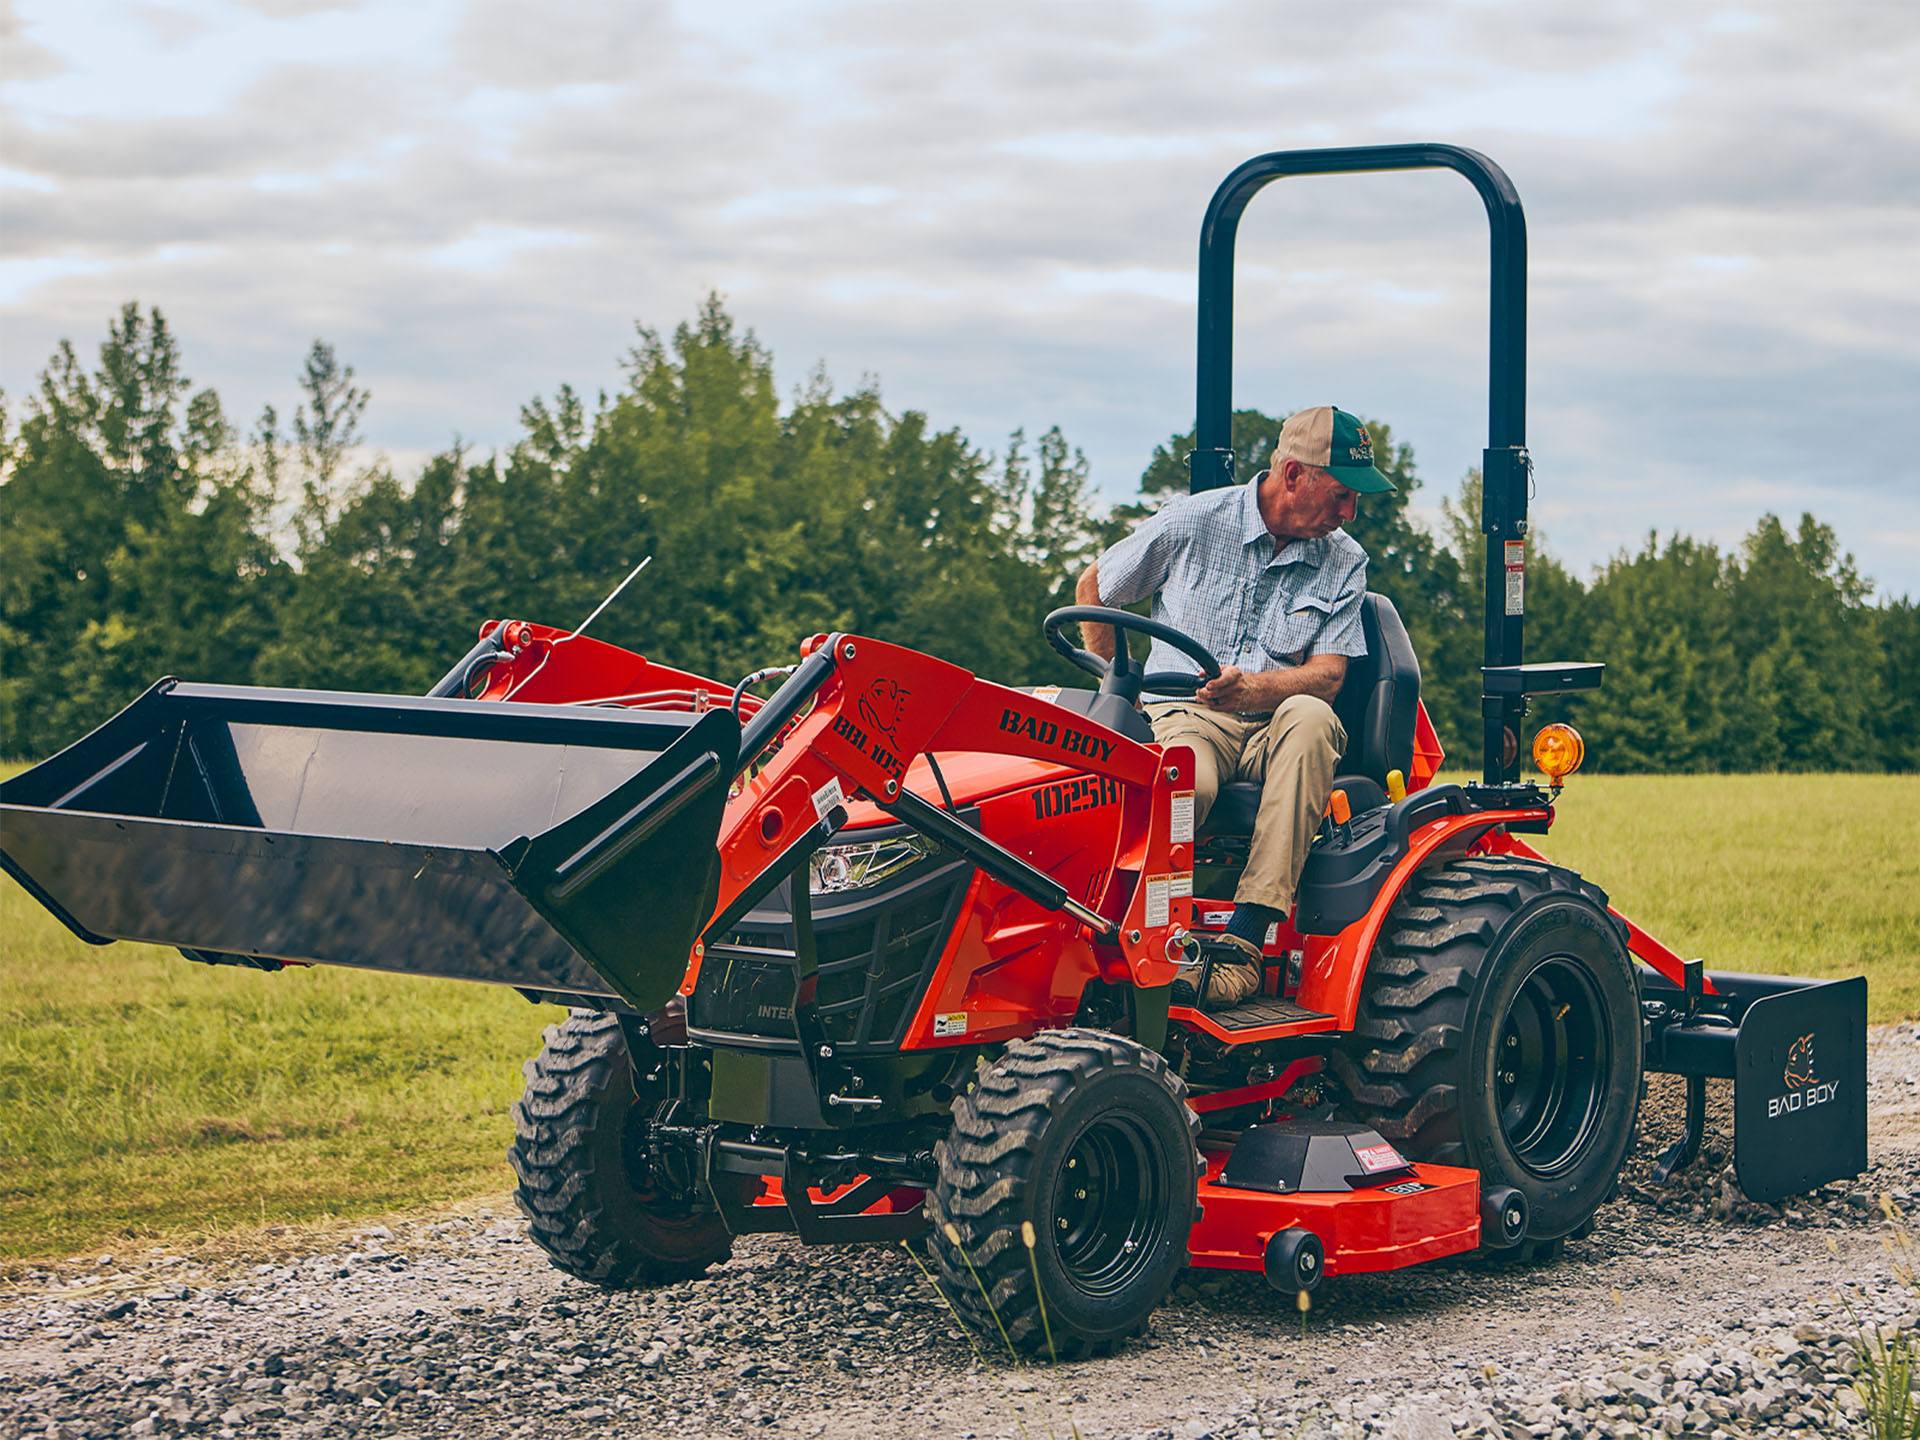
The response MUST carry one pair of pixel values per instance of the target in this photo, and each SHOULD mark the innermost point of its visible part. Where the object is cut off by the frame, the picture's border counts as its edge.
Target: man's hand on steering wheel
(1122, 675)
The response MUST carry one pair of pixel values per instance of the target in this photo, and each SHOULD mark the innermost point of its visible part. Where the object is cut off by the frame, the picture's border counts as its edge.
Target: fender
(1334, 967)
(1640, 944)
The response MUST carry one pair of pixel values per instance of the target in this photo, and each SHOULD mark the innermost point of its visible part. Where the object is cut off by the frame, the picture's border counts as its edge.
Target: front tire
(1499, 1029)
(591, 1199)
(1086, 1137)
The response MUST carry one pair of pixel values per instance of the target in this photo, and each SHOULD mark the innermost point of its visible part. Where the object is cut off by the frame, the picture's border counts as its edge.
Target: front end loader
(889, 954)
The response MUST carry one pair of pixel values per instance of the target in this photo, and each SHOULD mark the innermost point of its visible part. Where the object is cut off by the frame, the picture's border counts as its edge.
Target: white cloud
(995, 208)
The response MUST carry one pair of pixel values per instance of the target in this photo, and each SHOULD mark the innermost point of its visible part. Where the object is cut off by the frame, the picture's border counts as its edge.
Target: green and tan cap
(1332, 440)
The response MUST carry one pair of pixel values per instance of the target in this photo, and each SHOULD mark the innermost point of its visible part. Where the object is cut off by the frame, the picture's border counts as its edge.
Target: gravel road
(1689, 1311)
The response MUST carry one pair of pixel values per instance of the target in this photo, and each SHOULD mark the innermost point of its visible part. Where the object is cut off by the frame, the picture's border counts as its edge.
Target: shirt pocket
(1291, 635)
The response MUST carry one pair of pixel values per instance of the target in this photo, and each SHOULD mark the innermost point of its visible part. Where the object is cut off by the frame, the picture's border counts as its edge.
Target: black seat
(1377, 704)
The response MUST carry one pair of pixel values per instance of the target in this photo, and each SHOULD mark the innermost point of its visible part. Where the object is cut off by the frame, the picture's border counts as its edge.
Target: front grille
(876, 951)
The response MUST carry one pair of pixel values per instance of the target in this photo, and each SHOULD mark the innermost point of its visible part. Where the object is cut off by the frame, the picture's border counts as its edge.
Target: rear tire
(590, 1199)
(1499, 1029)
(1087, 1137)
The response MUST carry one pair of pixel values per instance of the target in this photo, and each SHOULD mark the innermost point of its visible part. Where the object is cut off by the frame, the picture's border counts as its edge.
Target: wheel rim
(1109, 1206)
(1550, 1066)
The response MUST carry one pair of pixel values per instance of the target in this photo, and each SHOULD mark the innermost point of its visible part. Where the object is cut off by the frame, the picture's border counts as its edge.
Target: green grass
(145, 1099)
(1815, 875)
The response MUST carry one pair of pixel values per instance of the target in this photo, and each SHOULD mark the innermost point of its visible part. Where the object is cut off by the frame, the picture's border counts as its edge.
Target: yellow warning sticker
(953, 1023)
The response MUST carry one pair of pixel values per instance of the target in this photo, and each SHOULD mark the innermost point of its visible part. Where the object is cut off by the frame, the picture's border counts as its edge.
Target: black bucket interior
(555, 848)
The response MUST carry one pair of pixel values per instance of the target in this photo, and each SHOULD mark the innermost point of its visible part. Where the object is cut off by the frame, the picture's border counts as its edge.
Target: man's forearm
(1086, 591)
(1320, 676)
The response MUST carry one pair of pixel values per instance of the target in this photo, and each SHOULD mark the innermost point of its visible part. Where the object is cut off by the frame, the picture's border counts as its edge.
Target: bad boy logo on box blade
(1805, 1089)
(1051, 732)
(1800, 1063)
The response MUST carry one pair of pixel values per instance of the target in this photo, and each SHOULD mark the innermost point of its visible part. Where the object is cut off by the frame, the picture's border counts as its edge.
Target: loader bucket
(559, 849)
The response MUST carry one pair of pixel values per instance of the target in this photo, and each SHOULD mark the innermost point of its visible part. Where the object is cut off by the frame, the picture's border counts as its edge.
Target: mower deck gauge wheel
(1296, 1260)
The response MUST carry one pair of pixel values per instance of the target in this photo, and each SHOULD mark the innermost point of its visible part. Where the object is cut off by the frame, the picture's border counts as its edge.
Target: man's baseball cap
(1332, 440)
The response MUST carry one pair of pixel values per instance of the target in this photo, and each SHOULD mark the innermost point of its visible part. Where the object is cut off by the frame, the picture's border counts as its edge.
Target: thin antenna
(613, 596)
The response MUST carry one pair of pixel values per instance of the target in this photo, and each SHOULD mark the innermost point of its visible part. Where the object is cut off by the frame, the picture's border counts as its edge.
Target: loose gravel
(1689, 1311)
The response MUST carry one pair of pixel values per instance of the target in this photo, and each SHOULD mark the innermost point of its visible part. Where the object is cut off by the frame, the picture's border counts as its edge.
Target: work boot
(1233, 976)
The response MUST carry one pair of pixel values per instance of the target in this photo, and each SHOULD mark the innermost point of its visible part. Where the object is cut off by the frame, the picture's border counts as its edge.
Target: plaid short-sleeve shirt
(1214, 572)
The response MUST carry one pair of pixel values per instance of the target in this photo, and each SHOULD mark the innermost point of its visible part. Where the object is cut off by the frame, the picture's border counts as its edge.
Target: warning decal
(1182, 818)
(1159, 892)
(1375, 1158)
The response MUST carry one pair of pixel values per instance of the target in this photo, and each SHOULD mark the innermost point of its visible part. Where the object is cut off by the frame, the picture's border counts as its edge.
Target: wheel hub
(1108, 1206)
(1550, 1062)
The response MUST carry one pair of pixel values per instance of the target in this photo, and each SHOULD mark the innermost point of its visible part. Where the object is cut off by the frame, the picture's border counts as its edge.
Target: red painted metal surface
(1362, 1230)
(1335, 966)
(897, 1201)
(553, 669)
(1428, 753)
(1010, 967)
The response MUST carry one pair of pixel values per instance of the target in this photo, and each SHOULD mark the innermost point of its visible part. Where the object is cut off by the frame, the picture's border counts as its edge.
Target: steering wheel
(1121, 676)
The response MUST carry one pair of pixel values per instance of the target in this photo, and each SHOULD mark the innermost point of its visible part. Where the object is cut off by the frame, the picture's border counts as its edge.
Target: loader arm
(860, 711)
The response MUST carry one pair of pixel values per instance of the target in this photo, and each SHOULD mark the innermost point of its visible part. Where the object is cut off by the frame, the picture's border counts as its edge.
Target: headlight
(835, 868)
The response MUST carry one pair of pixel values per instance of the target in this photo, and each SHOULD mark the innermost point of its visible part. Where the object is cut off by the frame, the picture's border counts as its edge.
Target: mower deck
(1433, 1213)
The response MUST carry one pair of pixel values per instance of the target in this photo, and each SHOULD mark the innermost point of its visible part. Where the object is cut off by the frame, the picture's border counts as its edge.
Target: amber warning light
(1558, 751)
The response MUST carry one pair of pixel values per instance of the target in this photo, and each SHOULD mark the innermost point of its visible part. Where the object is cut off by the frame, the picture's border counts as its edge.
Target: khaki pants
(1291, 753)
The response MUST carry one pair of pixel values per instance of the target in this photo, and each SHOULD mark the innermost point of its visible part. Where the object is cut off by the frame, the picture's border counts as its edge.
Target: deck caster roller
(1295, 1260)
(1503, 1217)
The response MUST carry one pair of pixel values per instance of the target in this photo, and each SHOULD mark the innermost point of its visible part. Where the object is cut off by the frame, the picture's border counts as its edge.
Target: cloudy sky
(994, 208)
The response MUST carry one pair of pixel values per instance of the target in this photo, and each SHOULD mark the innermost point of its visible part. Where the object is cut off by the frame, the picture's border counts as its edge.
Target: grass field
(145, 1099)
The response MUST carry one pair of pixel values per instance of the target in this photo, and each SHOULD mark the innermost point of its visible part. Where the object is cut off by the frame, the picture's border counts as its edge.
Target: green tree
(132, 542)
(1661, 621)
(326, 427)
(1898, 623)
(1802, 609)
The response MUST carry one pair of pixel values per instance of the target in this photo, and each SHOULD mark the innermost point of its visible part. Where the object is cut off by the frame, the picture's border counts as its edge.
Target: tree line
(142, 533)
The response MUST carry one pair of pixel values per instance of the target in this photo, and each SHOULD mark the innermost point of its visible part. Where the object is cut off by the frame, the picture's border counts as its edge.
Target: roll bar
(1505, 464)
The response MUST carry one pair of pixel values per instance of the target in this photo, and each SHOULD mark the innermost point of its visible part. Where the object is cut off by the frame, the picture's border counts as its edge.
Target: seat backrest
(1380, 696)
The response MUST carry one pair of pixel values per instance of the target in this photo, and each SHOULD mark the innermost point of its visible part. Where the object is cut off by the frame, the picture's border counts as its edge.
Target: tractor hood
(560, 849)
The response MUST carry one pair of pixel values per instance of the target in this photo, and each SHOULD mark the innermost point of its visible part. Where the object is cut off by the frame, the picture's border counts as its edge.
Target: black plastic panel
(1800, 1090)
(1324, 1156)
(876, 949)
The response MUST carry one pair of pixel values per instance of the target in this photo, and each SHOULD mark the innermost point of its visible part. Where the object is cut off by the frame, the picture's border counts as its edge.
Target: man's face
(1325, 504)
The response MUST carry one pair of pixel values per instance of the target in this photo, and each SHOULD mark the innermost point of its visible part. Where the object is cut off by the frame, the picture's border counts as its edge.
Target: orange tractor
(891, 952)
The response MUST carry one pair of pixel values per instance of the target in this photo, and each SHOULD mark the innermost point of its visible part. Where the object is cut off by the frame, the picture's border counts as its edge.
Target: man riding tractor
(1261, 573)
